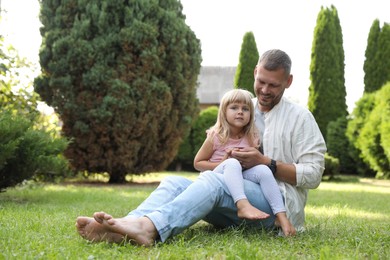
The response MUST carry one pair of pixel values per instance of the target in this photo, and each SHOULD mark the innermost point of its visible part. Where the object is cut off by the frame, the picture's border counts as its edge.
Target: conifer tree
(327, 89)
(122, 77)
(382, 57)
(370, 66)
(377, 63)
(249, 56)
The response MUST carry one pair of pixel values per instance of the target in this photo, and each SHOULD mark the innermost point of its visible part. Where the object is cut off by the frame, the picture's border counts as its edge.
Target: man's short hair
(276, 59)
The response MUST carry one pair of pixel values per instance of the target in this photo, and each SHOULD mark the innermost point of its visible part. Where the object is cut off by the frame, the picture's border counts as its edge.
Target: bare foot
(246, 211)
(140, 231)
(283, 222)
(93, 231)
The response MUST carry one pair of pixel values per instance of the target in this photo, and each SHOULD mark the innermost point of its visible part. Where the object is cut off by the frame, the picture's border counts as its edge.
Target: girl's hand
(249, 157)
(228, 154)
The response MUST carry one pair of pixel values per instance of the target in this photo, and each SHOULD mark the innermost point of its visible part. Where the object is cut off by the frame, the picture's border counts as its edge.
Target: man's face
(269, 86)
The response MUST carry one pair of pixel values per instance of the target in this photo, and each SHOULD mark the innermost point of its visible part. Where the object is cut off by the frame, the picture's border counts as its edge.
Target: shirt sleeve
(309, 149)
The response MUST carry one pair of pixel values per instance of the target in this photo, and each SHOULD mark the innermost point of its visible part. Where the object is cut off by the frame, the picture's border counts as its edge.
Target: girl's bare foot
(93, 231)
(283, 222)
(246, 211)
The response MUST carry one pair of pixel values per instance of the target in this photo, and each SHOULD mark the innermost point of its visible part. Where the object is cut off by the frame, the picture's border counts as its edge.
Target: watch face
(272, 166)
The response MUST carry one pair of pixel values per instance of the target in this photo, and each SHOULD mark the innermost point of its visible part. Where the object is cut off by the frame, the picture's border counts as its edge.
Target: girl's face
(238, 115)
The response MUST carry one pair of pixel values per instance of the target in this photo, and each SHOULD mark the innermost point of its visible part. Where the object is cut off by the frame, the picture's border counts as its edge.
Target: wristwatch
(272, 166)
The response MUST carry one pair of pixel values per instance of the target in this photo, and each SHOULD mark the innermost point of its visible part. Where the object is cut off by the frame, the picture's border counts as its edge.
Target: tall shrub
(372, 140)
(122, 77)
(27, 149)
(370, 64)
(382, 56)
(377, 63)
(339, 146)
(249, 56)
(369, 128)
(327, 89)
(196, 137)
(26, 152)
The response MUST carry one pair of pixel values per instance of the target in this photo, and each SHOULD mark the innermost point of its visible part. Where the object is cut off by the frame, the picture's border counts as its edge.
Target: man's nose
(265, 89)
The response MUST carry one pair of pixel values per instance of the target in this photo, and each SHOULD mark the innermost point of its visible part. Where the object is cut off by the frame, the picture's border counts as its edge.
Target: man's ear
(254, 72)
(289, 80)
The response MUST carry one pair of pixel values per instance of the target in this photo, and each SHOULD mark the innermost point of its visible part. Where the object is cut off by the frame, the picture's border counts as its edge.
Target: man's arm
(286, 172)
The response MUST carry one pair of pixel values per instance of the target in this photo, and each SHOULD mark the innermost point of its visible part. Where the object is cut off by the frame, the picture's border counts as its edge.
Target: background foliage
(377, 62)
(368, 130)
(249, 55)
(28, 149)
(122, 77)
(27, 153)
(16, 91)
(196, 137)
(327, 89)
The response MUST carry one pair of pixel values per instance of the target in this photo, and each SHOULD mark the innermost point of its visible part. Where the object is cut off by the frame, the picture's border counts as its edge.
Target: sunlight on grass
(158, 176)
(133, 178)
(344, 211)
(355, 187)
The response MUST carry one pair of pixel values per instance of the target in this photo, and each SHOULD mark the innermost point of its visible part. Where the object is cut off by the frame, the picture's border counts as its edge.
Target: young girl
(235, 129)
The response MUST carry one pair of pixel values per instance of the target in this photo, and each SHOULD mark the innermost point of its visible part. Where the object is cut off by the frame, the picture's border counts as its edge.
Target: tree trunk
(117, 177)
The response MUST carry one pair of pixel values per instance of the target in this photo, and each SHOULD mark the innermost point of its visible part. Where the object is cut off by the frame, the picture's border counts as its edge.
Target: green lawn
(345, 220)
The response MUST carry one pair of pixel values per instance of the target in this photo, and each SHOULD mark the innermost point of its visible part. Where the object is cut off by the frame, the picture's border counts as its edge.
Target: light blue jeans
(178, 203)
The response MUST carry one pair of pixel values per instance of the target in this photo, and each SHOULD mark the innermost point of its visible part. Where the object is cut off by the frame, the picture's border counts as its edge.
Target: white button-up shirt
(291, 135)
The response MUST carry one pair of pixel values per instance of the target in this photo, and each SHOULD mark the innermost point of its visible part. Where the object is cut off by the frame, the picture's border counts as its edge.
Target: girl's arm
(201, 161)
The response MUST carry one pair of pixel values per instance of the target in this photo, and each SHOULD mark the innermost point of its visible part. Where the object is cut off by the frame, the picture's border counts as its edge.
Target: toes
(107, 216)
(99, 217)
(82, 222)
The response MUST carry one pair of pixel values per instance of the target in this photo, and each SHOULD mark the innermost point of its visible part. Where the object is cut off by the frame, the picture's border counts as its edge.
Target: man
(293, 148)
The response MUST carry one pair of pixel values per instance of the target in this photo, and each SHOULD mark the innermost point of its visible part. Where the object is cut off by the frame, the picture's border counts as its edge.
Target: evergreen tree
(370, 67)
(327, 89)
(122, 77)
(377, 62)
(382, 57)
(249, 56)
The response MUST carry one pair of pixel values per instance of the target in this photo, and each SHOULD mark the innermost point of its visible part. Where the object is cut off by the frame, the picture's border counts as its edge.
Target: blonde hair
(221, 127)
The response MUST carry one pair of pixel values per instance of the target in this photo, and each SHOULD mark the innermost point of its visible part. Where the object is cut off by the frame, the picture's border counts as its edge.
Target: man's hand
(249, 157)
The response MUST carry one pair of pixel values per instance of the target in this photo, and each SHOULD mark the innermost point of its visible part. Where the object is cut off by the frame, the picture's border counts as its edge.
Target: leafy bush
(195, 139)
(369, 130)
(339, 146)
(27, 153)
(332, 166)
